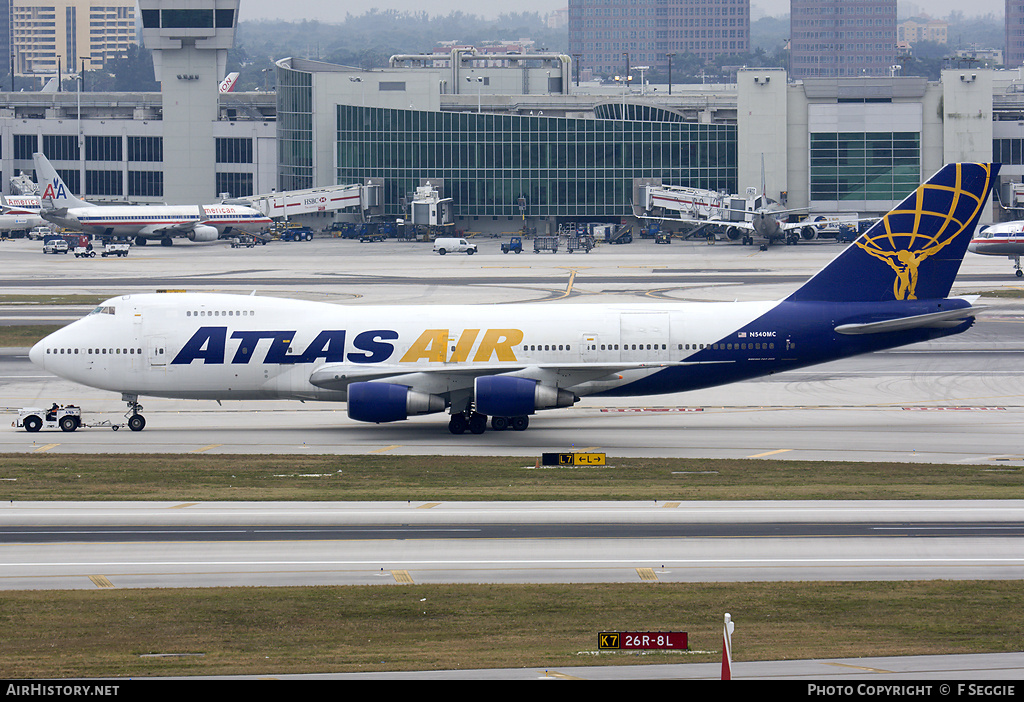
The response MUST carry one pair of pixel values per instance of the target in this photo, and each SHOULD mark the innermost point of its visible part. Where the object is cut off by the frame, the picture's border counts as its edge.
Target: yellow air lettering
(499, 342)
(464, 346)
(430, 346)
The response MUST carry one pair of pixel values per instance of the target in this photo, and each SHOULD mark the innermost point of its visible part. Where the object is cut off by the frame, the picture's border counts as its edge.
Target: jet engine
(808, 233)
(506, 396)
(388, 402)
(203, 232)
(733, 233)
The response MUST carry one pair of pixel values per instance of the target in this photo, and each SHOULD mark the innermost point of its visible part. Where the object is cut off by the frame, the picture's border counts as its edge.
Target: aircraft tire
(458, 424)
(499, 423)
(478, 423)
(136, 422)
(1020, 273)
(521, 422)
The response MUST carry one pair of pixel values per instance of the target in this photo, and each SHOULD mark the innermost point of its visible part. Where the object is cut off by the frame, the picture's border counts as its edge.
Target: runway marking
(769, 453)
(402, 576)
(428, 505)
(386, 448)
(47, 447)
(671, 505)
(183, 505)
(560, 676)
(205, 448)
(101, 581)
(647, 574)
(858, 667)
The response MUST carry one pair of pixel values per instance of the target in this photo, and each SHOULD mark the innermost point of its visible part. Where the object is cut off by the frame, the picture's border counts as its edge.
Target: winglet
(915, 251)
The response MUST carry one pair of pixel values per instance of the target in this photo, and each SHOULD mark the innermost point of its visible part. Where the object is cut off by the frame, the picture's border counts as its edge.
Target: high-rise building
(60, 36)
(1014, 52)
(842, 38)
(606, 35)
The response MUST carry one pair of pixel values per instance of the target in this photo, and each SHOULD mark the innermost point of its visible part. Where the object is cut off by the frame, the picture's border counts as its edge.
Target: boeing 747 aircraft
(139, 222)
(889, 288)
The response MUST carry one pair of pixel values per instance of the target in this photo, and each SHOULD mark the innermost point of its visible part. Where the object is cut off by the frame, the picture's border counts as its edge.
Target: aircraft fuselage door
(644, 336)
(156, 350)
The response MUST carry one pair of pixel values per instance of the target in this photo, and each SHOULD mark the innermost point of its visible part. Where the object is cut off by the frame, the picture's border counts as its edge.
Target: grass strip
(289, 477)
(269, 631)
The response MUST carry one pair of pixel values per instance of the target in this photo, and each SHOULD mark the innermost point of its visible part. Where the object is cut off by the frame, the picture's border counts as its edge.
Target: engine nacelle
(388, 402)
(733, 233)
(506, 396)
(203, 232)
(808, 233)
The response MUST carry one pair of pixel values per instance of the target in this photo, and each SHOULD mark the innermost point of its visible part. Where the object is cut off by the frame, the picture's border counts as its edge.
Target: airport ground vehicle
(297, 234)
(243, 241)
(545, 243)
(515, 245)
(55, 245)
(82, 252)
(37, 233)
(445, 245)
(65, 418)
(579, 242)
(115, 249)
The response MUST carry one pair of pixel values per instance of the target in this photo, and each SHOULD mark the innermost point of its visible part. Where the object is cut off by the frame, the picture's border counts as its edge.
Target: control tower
(190, 41)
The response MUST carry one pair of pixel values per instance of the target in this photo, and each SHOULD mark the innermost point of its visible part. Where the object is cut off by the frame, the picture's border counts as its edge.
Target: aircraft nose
(37, 354)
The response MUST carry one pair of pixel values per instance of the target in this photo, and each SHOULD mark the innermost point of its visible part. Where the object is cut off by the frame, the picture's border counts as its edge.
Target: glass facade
(294, 130)
(859, 166)
(562, 167)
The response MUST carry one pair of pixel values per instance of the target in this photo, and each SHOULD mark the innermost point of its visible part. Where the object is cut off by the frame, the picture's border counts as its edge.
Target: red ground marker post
(727, 647)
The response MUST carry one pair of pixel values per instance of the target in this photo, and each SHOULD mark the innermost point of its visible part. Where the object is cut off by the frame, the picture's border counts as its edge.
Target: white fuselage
(1003, 239)
(217, 346)
(157, 221)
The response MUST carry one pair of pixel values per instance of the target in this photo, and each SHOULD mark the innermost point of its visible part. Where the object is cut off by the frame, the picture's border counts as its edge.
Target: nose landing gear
(136, 422)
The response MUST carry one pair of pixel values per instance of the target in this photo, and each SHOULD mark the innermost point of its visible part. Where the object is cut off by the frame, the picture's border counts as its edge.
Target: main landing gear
(136, 422)
(476, 423)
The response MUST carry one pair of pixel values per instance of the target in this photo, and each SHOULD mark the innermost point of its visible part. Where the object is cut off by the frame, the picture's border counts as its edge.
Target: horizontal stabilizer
(935, 320)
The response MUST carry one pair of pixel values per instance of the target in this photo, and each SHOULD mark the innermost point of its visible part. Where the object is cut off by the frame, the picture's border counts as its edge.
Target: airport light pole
(479, 87)
(670, 56)
(642, 69)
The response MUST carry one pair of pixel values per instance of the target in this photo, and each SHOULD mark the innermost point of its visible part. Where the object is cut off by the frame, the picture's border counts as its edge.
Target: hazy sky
(335, 10)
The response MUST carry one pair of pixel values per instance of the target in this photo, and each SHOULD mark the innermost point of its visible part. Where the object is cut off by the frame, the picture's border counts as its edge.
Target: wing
(454, 378)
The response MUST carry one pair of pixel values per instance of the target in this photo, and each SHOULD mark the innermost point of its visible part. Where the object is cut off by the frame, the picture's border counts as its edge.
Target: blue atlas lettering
(208, 345)
(374, 346)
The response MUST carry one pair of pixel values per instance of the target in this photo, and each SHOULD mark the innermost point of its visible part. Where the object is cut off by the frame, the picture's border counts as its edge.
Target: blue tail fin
(914, 252)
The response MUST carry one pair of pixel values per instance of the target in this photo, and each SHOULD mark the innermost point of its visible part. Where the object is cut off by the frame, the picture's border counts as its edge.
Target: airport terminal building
(513, 140)
(511, 137)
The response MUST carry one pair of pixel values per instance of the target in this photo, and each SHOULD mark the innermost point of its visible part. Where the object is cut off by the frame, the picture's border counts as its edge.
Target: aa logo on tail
(927, 222)
(54, 191)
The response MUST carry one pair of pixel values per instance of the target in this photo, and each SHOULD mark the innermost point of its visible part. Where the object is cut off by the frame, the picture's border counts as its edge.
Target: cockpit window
(104, 309)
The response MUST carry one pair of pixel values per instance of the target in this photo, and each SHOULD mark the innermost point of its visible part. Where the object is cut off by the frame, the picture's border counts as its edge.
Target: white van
(452, 245)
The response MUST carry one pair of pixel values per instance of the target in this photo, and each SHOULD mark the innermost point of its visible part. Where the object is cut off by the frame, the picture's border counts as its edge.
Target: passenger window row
(94, 352)
(220, 313)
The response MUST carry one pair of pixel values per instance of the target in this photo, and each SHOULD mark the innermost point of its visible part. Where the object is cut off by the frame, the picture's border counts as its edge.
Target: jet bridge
(292, 203)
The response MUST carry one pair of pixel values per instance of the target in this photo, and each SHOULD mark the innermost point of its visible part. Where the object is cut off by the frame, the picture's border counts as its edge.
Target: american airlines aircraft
(506, 362)
(140, 222)
(1003, 239)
